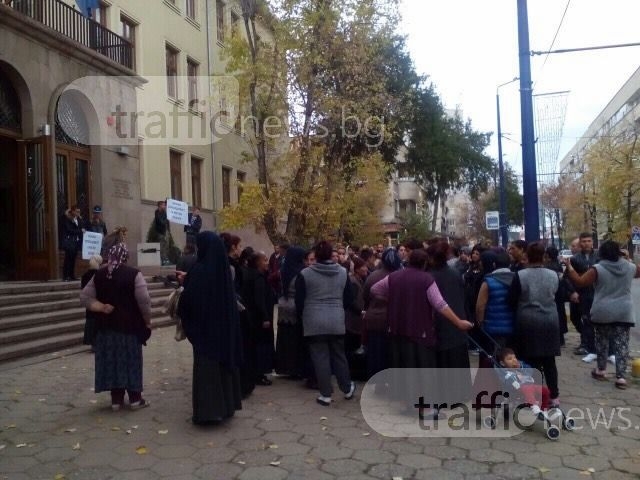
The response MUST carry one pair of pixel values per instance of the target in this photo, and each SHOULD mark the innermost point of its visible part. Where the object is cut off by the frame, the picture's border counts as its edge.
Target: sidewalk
(52, 426)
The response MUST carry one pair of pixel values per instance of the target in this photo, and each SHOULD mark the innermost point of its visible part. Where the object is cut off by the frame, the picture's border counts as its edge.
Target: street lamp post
(504, 238)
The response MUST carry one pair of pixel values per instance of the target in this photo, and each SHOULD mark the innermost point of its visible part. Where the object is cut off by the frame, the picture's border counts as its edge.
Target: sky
(469, 47)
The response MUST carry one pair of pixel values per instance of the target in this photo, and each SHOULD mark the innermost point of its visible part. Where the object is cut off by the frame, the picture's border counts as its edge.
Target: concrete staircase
(38, 318)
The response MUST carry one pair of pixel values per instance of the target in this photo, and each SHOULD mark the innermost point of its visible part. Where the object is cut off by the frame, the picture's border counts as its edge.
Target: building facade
(109, 107)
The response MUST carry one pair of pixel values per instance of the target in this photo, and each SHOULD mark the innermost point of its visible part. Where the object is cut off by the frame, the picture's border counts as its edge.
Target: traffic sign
(635, 229)
(635, 238)
(493, 220)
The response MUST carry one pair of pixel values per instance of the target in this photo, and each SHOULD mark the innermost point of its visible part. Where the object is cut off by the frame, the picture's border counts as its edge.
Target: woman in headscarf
(209, 312)
(375, 336)
(290, 347)
(118, 295)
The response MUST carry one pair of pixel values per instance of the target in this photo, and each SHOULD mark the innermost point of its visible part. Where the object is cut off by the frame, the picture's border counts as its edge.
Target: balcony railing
(72, 24)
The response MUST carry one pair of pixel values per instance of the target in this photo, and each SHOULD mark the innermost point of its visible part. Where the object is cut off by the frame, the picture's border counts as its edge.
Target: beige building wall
(158, 24)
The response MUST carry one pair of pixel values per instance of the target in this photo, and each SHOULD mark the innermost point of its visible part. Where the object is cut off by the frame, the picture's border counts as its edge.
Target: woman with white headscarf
(118, 296)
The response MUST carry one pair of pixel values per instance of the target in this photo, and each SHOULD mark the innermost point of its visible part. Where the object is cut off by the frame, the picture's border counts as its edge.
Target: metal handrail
(72, 24)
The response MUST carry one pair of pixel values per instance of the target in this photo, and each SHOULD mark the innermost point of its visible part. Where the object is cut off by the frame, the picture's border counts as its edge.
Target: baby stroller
(514, 383)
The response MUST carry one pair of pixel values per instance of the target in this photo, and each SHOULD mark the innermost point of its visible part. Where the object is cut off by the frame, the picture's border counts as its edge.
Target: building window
(192, 76)
(191, 9)
(196, 181)
(175, 169)
(220, 20)
(99, 14)
(226, 186)
(235, 24)
(172, 71)
(128, 32)
(241, 177)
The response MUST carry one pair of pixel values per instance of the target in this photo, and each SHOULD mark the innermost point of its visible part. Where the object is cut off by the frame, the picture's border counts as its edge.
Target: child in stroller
(518, 375)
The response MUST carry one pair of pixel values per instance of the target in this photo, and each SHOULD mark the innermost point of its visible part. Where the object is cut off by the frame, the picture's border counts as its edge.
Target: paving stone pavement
(53, 426)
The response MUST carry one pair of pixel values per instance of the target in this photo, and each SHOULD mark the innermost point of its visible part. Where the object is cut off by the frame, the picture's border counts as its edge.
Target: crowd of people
(349, 312)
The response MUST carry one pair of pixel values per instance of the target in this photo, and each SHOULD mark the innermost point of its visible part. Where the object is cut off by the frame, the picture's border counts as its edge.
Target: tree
(415, 226)
(445, 152)
(345, 77)
(513, 199)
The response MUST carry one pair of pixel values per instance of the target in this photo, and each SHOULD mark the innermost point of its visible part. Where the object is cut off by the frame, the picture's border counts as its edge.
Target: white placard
(91, 244)
(493, 220)
(177, 211)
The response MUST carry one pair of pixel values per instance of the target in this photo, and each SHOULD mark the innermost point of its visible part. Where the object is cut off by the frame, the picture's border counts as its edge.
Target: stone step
(36, 346)
(21, 288)
(20, 304)
(53, 317)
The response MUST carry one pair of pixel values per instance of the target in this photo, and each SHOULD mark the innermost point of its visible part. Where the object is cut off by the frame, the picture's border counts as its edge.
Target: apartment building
(621, 113)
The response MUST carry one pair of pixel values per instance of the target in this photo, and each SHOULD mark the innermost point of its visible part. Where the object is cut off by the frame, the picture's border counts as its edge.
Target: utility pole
(504, 237)
(529, 177)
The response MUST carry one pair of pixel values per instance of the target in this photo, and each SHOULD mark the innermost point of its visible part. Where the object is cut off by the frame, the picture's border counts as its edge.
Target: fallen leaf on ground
(323, 418)
(585, 472)
(273, 446)
(310, 460)
(42, 399)
(591, 470)
(59, 476)
(324, 428)
(544, 469)
(397, 478)
(365, 434)
(128, 432)
(240, 462)
(163, 432)
(2, 447)
(11, 426)
(20, 445)
(76, 446)
(18, 392)
(93, 401)
(141, 450)
(135, 427)
(275, 463)
(70, 430)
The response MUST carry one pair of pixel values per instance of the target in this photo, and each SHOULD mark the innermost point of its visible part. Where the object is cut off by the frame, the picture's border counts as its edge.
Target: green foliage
(173, 250)
(445, 151)
(415, 226)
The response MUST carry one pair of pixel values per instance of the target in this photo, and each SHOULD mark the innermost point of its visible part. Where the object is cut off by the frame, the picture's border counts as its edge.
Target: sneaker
(142, 403)
(612, 359)
(580, 351)
(352, 390)
(589, 358)
(324, 401)
(554, 402)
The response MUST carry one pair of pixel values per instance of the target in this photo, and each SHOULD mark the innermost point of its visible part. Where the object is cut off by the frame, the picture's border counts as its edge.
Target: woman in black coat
(90, 318)
(259, 301)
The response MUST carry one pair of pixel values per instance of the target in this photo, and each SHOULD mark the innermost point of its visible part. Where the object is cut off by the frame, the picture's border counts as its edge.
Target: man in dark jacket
(195, 224)
(96, 224)
(161, 226)
(581, 262)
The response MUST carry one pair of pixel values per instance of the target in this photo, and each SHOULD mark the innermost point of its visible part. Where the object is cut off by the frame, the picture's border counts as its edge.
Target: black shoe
(580, 351)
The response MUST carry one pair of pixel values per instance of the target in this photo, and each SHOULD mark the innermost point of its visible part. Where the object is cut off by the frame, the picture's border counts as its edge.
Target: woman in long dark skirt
(209, 312)
(375, 337)
(90, 317)
(258, 298)
(452, 356)
(290, 346)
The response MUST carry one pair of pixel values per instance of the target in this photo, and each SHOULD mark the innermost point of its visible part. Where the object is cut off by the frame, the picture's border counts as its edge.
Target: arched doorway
(10, 132)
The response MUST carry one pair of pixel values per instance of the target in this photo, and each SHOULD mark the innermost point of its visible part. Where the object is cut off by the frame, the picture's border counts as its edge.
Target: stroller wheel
(553, 432)
(568, 423)
(490, 422)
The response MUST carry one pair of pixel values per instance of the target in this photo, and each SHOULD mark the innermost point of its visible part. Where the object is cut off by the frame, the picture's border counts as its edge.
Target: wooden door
(33, 223)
